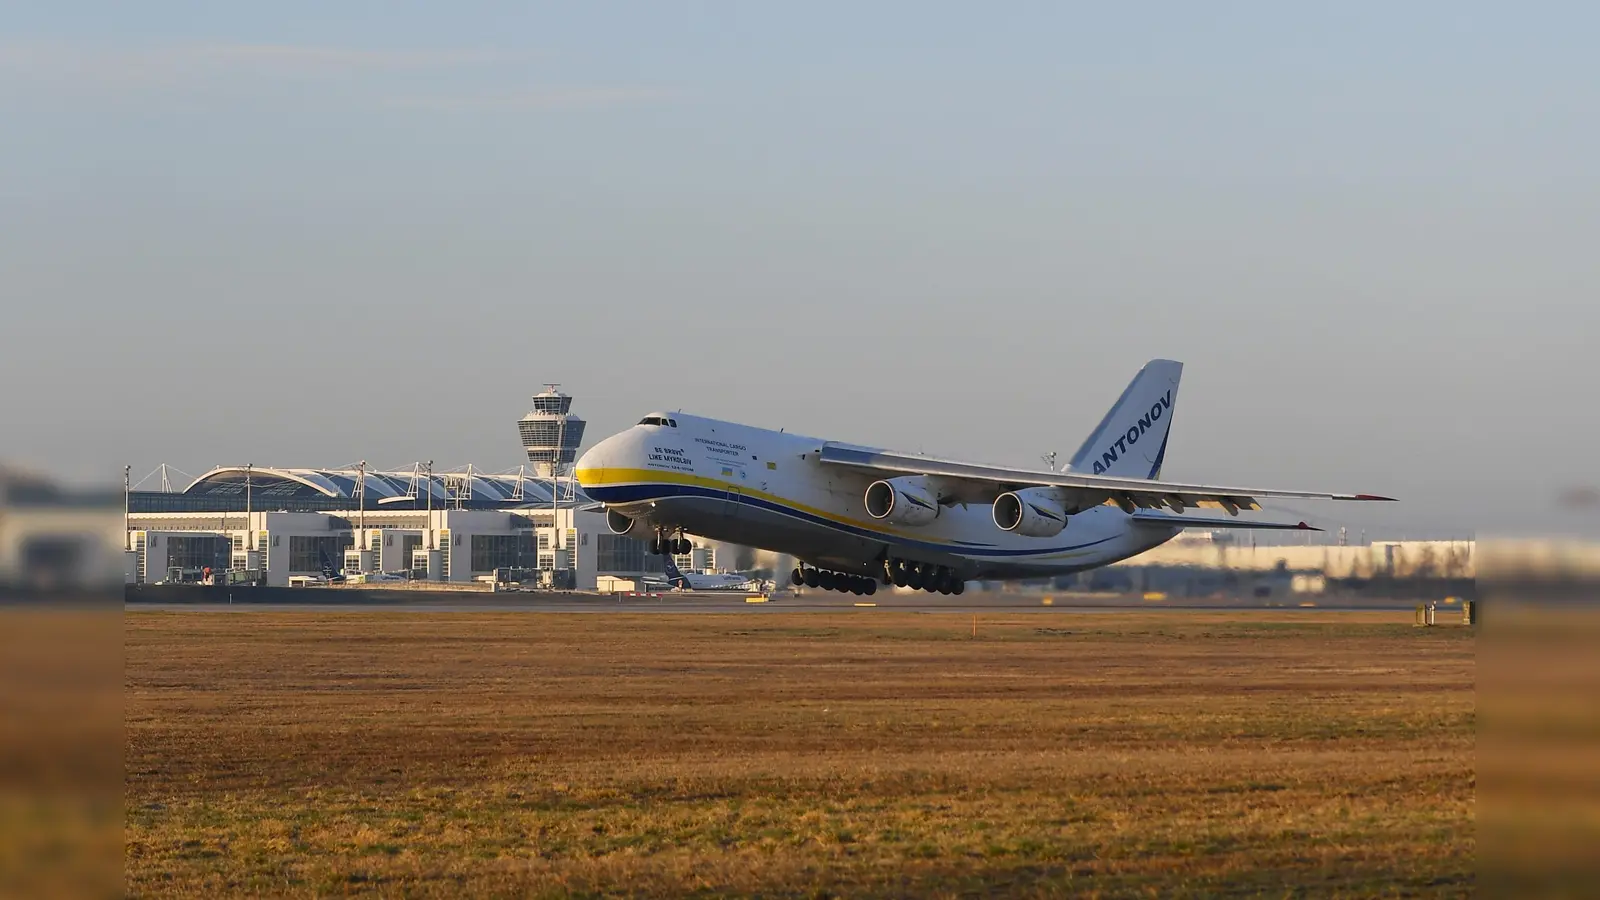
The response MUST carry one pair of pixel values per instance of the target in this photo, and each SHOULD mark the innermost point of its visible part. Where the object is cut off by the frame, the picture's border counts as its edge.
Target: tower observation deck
(550, 432)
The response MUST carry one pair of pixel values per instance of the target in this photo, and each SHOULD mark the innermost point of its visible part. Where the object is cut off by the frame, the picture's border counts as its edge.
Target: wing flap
(1180, 521)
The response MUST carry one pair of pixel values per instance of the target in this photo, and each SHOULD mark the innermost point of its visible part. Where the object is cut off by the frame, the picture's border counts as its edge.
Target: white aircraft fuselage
(855, 514)
(715, 581)
(769, 489)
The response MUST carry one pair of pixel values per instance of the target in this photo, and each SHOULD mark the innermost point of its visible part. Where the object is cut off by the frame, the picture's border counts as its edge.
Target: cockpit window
(658, 420)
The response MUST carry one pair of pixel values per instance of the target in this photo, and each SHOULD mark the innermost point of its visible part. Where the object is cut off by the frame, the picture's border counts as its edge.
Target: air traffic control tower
(551, 433)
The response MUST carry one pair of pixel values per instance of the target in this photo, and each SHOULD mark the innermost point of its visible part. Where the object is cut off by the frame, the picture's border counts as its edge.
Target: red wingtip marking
(1373, 497)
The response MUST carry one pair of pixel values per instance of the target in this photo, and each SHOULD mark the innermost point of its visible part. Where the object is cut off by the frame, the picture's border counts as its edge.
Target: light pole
(249, 527)
(361, 497)
(361, 509)
(555, 490)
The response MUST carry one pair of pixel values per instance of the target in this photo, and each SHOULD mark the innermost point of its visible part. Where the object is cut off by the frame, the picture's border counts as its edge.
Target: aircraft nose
(591, 466)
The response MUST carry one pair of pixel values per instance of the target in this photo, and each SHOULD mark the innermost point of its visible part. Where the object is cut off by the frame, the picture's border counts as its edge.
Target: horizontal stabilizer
(1167, 521)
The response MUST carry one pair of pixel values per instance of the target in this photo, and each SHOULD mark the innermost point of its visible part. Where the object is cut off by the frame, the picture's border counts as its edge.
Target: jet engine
(618, 523)
(1034, 512)
(902, 501)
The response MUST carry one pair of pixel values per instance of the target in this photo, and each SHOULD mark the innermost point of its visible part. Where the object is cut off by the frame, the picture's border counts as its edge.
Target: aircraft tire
(960, 587)
(809, 576)
(826, 581)
(798, 576)
(872, 586)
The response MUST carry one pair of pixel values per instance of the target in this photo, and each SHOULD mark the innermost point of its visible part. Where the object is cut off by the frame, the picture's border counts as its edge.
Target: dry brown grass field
(844, 754)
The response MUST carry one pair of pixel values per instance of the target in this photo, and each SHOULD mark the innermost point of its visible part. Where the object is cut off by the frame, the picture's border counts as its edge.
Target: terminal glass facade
(495, 551)
(408, 546)
(198, 551)
(306, 551)
(620, 553)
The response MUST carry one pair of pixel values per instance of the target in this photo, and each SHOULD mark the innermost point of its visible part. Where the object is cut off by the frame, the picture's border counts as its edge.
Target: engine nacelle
(617, 523)
(902, 501)
(1033, 512)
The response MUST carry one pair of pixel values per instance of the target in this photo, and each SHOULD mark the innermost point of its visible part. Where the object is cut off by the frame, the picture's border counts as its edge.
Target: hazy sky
(308, 233)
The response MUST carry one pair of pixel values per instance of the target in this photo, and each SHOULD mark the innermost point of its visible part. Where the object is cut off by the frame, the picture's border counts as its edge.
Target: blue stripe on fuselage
(638, 493)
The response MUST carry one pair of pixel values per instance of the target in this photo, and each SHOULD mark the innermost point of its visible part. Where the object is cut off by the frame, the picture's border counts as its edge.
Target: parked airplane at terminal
(858, 516)
(708, 581)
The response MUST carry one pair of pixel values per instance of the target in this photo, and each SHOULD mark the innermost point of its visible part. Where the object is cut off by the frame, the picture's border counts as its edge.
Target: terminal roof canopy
(396, 489)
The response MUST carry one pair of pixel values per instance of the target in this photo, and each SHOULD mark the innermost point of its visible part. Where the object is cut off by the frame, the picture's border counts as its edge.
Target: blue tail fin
(328, 570)
(675, 577)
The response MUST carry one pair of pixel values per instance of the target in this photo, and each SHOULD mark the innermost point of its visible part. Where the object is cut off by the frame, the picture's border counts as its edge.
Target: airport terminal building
(272, 525)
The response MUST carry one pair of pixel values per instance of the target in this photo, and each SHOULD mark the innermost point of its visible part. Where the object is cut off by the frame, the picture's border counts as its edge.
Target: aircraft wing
(979, 483)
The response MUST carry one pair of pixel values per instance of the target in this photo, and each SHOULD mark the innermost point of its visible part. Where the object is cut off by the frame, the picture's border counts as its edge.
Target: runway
(716, 602)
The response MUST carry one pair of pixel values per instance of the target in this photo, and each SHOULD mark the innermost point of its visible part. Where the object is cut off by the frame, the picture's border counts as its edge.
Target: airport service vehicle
(708, 581)
(859, 516)
(332, 574)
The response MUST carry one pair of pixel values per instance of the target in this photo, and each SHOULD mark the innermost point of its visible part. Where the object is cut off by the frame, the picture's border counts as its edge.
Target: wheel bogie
(928, 577)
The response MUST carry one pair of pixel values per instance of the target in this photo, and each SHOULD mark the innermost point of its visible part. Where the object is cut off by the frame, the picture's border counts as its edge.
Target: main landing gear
(664, 545)
(898, 572)
(860, 585)
(922, 576)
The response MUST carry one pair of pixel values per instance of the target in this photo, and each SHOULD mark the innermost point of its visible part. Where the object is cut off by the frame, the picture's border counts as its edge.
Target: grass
(854, 754)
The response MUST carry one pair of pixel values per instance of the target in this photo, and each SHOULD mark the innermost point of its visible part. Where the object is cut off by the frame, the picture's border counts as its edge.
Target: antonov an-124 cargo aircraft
(857, 517)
